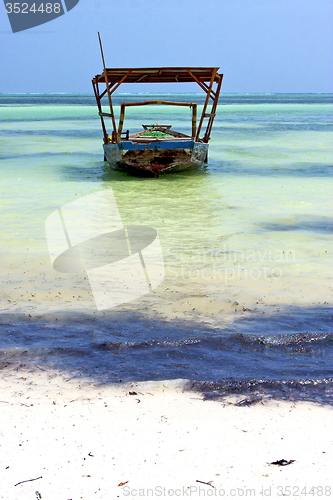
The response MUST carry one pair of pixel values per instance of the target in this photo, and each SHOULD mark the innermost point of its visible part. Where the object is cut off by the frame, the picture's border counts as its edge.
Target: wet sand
(77, 440)
(246, 249)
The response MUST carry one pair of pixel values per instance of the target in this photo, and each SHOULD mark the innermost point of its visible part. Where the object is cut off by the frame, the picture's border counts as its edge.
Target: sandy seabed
(63, 438)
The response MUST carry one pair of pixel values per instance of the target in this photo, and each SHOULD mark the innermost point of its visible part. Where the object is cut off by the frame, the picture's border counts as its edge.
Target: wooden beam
(115, 136)
(121, 119)
(145, 103)
(105, 114)
(121, 81)
(194, 120)
(171, 103)
(105, 91)
(213, 111)
(197, 80)
(141, 78)
(206, 103)
(212, 93)
(98, 101)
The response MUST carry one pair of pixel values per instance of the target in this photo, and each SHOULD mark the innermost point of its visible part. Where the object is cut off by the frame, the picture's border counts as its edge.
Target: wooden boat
(157, 149)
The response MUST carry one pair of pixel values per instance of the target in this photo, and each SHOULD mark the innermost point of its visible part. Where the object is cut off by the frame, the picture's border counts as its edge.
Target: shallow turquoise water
(248, 237)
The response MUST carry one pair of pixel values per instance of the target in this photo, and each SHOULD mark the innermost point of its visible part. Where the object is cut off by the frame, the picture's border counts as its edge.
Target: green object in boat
(155, 133)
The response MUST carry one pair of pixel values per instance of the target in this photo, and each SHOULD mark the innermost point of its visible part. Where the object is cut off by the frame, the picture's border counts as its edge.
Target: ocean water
(245, 304)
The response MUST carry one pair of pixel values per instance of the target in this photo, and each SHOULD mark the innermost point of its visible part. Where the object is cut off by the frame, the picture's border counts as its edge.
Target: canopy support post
(115, 137)
(98, 100)
(206, 103)
(213, 111)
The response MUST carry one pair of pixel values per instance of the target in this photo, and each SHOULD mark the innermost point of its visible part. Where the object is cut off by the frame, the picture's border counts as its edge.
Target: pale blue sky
(259, 45)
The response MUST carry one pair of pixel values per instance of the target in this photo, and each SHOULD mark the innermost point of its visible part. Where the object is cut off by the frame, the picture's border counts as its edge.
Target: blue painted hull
(156, 157)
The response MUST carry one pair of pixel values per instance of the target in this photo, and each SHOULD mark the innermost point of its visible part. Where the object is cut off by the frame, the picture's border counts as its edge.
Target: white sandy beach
(155, 440)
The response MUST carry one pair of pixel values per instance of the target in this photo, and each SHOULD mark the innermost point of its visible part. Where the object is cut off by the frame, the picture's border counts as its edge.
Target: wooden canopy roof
(158, 75)
(114, 77)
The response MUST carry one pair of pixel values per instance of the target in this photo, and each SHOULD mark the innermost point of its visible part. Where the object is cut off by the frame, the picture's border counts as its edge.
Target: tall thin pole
(115, 135)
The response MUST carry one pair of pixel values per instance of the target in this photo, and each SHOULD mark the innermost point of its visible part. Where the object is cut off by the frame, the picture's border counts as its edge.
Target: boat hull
(156, 157)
